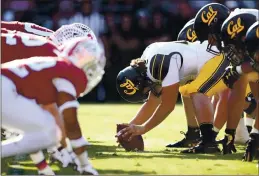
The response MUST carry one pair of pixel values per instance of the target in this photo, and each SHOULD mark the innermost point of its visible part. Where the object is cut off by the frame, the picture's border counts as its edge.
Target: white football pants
(37, 126)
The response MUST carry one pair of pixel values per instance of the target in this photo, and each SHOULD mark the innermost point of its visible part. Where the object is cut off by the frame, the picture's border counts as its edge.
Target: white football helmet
(68, 32)
(85, 54)
(87, 30)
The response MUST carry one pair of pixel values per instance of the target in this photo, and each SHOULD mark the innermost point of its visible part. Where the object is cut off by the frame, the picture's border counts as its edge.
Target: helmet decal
(234, 29)
(130, 87)
(257, 32)
(191, 35)
(210, 15)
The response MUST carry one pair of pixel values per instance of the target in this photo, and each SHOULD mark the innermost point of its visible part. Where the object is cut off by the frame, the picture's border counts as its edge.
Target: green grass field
(98, 122)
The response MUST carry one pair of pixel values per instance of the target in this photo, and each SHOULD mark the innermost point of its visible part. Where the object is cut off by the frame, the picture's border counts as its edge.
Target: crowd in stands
(123, 27)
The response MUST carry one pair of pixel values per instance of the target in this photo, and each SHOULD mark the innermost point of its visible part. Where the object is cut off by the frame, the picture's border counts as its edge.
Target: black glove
(228, 144)
(251, 147)
(230, 76)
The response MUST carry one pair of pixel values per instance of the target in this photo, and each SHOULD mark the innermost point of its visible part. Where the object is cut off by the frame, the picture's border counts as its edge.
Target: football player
(19, 45)
(192, 136)
(78, 60)
(163, 69)
(219, 101)
(233, 32)
(250, 67)
(208, 22)
(26, 27)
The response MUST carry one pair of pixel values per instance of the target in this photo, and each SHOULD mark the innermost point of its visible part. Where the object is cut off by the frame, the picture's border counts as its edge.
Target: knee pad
(252, 104)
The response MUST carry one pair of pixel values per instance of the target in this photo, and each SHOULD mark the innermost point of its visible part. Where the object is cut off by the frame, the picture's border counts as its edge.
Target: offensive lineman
(208, 22)
(156, 78)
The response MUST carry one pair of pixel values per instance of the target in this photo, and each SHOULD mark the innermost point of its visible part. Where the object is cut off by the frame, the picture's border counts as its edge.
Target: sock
(255, 131)
(83, 158)
(69, 147)
(193, 129)
(39, 160)
(249, 121)
(216, 129)
(42, 165)
(207, 132)
(230, 131)
(249, 129)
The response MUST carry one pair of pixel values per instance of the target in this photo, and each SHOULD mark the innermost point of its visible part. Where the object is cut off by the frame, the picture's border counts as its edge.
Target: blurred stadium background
(123, 27)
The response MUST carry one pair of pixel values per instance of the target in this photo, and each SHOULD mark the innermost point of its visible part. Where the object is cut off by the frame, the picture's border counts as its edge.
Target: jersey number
(35, 66)
(26, 40)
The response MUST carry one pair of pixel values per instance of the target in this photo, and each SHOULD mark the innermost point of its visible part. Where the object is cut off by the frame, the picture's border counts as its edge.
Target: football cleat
(228, 144)
(202, 147)
(190, 140)
(252, 147)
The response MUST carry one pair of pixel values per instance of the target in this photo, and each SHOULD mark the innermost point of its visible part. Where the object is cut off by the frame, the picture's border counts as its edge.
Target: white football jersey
(175, 62)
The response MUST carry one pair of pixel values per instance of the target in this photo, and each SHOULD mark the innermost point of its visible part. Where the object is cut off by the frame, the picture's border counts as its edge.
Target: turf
(98, 122)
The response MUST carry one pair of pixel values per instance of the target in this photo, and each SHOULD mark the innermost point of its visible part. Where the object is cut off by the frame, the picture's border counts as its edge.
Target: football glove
(230, 76)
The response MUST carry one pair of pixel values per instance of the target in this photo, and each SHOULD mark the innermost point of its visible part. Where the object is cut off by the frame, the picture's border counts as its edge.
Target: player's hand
(230, 76)
(228, 144)
(87, 170)
(131, 131)
(62, 156)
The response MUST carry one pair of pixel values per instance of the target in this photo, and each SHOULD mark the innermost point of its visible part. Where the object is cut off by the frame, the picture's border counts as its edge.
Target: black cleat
(228, 144)
(202, 147)
(252, 147)
(190, 140)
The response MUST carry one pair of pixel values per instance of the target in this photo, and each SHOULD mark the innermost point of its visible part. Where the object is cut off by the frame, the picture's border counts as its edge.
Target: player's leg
(192, 136)
(253, 142)
(208, 83)
(221, 111)
(38, 128)
(235, 109)
(245, 124)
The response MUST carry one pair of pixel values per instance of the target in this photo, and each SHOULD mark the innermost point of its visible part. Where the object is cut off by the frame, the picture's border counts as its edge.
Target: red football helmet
(85, 54)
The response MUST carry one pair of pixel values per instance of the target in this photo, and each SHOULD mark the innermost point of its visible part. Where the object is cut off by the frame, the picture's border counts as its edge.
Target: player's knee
(252, 104)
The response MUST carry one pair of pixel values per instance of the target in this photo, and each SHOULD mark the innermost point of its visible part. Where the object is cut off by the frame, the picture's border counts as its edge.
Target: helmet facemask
(214, 39)
(84, 54)
(254, 61)
(235, 53)
(134, 85)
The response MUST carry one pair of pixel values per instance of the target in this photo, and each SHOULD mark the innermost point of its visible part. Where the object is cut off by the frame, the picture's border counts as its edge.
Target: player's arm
(159, 109)
(168, 100)
(146, 110)
(68, 105)
(167, 105)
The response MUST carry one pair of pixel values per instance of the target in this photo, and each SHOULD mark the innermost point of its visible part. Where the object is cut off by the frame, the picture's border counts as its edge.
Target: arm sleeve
(172, 76)
(63, 85)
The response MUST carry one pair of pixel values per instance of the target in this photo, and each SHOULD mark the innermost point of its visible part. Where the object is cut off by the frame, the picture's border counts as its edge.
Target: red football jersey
(20, 45)
(27, 28)
(33, 77)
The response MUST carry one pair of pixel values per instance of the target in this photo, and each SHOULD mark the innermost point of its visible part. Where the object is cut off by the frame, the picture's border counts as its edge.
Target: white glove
(62, 156)
(87, 170)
